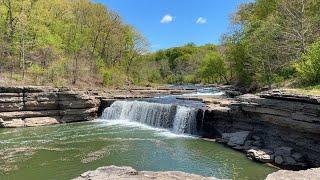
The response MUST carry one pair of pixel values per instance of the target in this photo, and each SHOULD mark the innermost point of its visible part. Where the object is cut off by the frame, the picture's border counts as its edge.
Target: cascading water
(179, 119)
(185, 120)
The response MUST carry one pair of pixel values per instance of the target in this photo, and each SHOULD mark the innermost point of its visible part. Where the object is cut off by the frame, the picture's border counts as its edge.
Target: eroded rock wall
(275, 121)
(36, 106)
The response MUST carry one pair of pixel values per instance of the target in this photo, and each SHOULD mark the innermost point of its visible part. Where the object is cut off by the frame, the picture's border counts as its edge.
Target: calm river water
(66, 151)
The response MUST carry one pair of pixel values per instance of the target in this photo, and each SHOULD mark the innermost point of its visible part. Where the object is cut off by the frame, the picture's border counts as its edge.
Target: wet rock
(257, 143)
(237, 138)
(288, 160)
(128, 173)
(14, 123)
(278, 160)
(248, 145)
(283, 151)
(232, 93)
(297, 156)
(41, 121)
(310, 174)
(256, 138)
(260, 155)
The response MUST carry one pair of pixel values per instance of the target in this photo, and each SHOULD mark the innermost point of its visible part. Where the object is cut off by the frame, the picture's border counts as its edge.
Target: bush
(213, 69)
(308, 68)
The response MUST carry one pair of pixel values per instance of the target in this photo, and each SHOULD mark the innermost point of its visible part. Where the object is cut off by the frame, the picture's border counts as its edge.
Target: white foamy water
(158, 131)
(177, 119)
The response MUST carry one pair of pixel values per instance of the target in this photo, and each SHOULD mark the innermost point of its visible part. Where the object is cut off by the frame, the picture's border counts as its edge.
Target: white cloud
(201, 20)
(167, 19)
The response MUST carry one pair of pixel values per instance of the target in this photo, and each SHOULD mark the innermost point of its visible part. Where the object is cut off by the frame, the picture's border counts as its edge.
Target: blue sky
(170, 23)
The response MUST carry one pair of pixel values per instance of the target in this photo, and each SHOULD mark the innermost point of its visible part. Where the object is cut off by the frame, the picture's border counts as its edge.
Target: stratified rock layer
(128, 173)
(310, 174)
(38, 106)
(284, 128)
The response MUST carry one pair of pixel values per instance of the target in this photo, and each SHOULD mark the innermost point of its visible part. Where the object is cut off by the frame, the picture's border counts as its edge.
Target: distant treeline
(272, 43)
(64, 42)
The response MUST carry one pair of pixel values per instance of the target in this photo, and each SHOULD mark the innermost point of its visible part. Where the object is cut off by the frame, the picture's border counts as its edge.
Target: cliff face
(283, 129)
(36, 106)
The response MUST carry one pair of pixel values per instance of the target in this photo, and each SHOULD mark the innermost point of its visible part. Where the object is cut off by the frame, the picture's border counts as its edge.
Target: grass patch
(306, 90)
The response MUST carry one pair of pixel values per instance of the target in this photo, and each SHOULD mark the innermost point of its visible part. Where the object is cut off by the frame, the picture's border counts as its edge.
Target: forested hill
(80, 43)
(64, 42)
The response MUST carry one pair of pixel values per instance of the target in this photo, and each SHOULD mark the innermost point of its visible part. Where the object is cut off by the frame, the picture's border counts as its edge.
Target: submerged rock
(309, 174)
(127, 173)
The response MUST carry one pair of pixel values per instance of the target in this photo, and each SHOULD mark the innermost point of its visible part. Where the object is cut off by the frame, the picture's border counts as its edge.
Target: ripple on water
(71, 149)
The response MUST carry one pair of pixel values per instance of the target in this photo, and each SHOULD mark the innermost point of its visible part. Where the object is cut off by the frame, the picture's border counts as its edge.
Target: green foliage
(269, 37)
(67, 38)
(308, 68)
(212, 69)
(176, 65)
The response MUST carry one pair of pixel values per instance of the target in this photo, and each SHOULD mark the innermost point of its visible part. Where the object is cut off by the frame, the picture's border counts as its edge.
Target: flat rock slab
(237, 138)
(310, 174)
(128, 173)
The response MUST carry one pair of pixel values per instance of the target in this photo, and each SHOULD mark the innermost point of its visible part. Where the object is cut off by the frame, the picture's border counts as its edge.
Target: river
(146, 136)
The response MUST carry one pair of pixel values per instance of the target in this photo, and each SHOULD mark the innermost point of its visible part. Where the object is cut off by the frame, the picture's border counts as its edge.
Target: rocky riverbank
(270, 127)
(128, 173)
(38, 106)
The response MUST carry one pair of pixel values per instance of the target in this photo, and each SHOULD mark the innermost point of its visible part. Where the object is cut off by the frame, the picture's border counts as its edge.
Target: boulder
(128, 173)
(297, 156)
(278, 160)
(310, 174)
(288, 160)
(237, 138)
(283, 151)
(260, 155)
(41, 121)
(14, 123)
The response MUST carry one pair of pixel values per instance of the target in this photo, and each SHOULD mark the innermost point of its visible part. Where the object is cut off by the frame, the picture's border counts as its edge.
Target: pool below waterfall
(65, 151)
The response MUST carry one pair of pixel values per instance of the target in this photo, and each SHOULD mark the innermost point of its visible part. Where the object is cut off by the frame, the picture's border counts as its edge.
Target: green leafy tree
(213, 69)
(308, 67)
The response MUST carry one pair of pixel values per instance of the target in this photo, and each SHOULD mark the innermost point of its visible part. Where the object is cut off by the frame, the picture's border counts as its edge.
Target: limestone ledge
(37, 106)
(271, 127)
(128, 173)
(310, 174)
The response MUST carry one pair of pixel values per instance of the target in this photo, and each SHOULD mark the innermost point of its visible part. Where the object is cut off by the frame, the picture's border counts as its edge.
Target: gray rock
(238, 147)
(37, 106)
(256, 138)
(13, 123)
(257, 143)
(278, 160)
(128, 173)
(283, 151)
(237, 138)
(297, 156)
(310, 174)
(288, 160)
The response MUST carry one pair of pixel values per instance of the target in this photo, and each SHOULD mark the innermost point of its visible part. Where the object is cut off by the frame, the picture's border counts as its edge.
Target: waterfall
(185, 120)
(179, 119)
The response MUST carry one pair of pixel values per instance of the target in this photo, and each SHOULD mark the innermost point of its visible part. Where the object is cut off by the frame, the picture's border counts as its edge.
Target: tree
(308, 67)
(213, 69)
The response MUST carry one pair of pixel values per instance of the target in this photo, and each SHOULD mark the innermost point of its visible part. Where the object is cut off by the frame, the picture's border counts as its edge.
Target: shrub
(308, 68)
